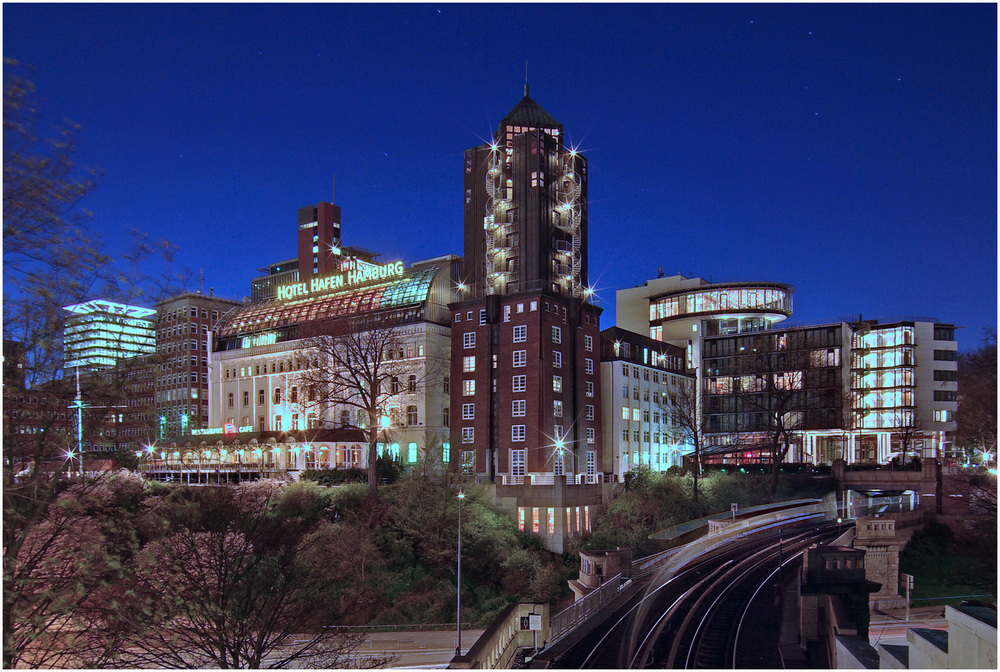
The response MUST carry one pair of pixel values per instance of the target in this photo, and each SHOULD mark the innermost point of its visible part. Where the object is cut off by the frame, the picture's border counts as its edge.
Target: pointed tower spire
(525, 79)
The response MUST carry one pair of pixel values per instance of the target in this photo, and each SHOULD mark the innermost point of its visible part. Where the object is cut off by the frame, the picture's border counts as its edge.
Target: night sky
(849, 150)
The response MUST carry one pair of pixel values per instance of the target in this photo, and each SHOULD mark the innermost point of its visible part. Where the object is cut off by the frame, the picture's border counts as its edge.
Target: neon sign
(217, 430)
(360, 273)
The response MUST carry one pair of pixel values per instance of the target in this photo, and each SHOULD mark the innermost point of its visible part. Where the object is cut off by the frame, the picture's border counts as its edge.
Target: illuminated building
(871, 386)
(98, 334)
(182, 346)
(260, 351)
(319, 250)
(641, 380)
(525, 337)
(866, 387)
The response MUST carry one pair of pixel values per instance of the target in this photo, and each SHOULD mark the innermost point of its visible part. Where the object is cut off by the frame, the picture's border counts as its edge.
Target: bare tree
(51, 260)
(235, 592)
(688, 424)
(772, 392)
(363, 368)
(977, 400)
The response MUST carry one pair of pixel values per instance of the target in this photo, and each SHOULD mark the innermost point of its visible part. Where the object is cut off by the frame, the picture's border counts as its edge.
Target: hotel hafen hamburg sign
(358, 273)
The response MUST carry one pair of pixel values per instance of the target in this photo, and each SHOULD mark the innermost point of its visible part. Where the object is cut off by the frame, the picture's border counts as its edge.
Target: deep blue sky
(849, 150)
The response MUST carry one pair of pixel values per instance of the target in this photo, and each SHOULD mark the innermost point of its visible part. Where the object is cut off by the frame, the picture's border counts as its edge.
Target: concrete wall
(972, 644)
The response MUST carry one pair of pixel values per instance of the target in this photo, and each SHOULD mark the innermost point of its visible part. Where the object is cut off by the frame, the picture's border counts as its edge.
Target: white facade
(261, 388)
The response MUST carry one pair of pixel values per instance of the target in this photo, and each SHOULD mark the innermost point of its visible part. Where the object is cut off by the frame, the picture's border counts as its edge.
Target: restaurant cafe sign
(358, 273)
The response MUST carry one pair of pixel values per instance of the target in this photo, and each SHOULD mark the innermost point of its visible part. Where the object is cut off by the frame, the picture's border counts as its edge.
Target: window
(468, 434)
(277, 395)
(482, 317)
(446, 385)
(520, 358)
(394, 384)
(260, 397)
(468, 316)
(943, 416)
(556, 335)
(468, 388)
(468, 364)
(518, 407)
(946, 355)
(945, 395)
(517, 433)
(590, 388)
(590, 435)
(468, 411)
(246, 397)
(557, 383)
(534, 519)
(588, 367)
(520, 333)
(556, 359)
(446, 418)
(411, 416)
(945, 375)
(590, 411)
(551, 527)
(230, 400)
(517, 463)
(519, 383)
(295, 394)
(635, 371)
(588, 343)
(277, 423)
(411, 384)
(520, 518)
(557, 408)
(942, 333)
(557, 431)
(345, 418)
(458, 316)
(469, 339)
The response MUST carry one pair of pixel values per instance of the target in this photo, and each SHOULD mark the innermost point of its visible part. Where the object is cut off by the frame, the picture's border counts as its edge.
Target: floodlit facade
(98, 334)
(641, 381)
(261, 353)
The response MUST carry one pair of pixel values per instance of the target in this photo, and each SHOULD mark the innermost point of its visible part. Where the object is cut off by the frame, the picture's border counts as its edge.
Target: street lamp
(458, 606)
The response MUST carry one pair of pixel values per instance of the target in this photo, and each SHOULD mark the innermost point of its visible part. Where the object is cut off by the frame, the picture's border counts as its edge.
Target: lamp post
(458, 606)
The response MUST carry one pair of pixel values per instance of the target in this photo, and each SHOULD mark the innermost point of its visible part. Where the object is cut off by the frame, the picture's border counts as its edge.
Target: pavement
(418, 649)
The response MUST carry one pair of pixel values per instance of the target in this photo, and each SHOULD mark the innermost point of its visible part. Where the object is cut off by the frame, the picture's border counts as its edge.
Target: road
(418, 648)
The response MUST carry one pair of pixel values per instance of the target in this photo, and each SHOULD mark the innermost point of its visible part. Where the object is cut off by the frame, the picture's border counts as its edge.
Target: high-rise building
(99, 333)
(525, 336)
(182, 344)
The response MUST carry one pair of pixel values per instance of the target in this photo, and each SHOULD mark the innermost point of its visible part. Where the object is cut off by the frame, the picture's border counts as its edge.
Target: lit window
(469, 364)
(557, 383)
(590, 435)
(557, 408)
(468, 388)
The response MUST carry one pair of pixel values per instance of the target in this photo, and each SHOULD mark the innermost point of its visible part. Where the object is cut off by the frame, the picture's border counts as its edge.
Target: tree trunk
(372, 458)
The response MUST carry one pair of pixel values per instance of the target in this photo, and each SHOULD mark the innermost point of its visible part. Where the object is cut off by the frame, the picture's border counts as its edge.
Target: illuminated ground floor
(819, 447)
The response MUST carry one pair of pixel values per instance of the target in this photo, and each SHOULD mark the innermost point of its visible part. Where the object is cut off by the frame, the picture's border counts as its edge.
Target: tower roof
(529, 113)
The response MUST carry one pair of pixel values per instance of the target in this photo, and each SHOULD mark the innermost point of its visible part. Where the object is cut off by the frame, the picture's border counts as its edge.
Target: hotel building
(525, 336)
(98, 334)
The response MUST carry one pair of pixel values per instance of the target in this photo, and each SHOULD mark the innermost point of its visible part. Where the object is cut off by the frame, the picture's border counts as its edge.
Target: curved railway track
(709, 613)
